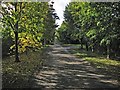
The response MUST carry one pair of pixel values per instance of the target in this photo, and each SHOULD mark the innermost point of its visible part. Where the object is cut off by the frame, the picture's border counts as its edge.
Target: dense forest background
(94, 25)
(26, 25)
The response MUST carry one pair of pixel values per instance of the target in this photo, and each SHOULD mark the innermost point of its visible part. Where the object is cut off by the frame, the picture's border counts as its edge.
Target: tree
(28, 23)
(95, 25)
(50, 25)
(11, 16)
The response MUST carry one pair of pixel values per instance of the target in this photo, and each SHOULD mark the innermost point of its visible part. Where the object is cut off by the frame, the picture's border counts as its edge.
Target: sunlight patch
(115, 82)
(72, 62)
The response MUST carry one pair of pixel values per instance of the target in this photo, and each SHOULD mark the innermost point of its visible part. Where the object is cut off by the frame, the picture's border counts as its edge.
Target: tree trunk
(81, 43)
(92, 48)
(16, 47)
(16, 38)
(44, 41)
(86, 46)
(108, 51)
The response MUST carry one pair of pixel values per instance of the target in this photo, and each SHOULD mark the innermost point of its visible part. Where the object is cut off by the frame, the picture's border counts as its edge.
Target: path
(63, 70)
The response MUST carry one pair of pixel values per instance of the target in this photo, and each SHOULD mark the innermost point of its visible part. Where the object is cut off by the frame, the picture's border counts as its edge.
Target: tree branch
(11, 25)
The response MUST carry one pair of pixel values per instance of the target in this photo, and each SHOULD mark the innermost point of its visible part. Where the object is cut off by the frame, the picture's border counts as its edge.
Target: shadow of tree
(63, 71)
(19, 75)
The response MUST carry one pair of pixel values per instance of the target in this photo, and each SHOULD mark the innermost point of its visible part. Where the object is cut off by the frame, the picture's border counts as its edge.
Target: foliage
(27, 24)
(93, 24)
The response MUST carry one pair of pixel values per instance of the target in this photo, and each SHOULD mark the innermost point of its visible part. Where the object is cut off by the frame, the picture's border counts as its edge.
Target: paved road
(65, 71)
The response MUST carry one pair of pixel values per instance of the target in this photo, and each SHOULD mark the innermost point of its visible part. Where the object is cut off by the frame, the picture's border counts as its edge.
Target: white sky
(59, 6)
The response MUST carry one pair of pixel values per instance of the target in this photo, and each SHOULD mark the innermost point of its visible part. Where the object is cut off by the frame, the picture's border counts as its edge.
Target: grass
(91, 57)
(98, 61)
(103, 61)
(18, 75)
(94, 58)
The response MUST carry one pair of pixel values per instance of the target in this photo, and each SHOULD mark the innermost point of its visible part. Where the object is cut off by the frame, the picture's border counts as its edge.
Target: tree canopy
(93, 24)
(27, 25)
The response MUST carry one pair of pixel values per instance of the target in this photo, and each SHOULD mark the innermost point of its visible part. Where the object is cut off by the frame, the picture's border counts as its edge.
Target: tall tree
(11, 16)
(27, 21)
(95, 25)
(50, 25)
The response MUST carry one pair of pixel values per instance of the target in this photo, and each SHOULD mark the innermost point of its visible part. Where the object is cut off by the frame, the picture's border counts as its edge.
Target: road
(62, 70)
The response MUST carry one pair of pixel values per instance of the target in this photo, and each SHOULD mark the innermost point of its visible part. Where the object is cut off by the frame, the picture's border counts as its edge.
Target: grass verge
(90, 56)
(18, 75)
(109, 66)
(94, 58)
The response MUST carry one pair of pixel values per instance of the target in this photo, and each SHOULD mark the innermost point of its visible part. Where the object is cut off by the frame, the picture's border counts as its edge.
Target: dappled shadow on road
(106, 68)
(63, 70)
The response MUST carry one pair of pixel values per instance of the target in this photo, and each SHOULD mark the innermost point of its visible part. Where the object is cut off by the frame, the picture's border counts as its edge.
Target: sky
(59, 6)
